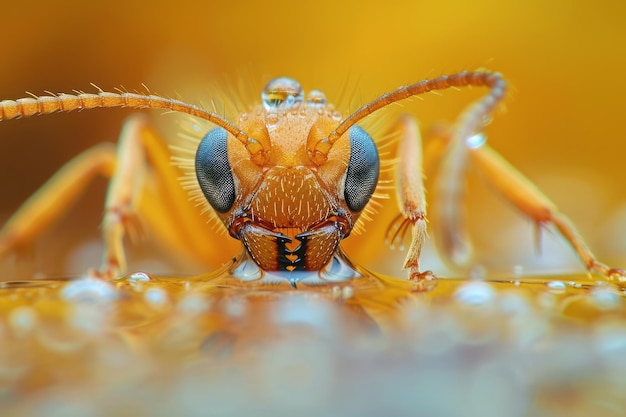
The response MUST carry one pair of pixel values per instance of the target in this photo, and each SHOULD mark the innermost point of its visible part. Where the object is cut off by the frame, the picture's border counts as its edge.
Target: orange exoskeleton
(289, 211)
(291, 179)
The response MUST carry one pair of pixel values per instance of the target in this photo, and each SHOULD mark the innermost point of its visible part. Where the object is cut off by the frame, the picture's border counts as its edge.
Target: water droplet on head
(316, 98)
(282, 92)
(272, 120)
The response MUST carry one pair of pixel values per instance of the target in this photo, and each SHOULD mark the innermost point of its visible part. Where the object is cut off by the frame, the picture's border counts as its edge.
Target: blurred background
(562, 125)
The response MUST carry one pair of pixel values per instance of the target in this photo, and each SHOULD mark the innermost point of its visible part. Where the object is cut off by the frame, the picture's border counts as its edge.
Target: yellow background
(563, 124)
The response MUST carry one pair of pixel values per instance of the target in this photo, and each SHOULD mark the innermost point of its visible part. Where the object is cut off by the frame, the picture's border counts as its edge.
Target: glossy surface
(149, 346)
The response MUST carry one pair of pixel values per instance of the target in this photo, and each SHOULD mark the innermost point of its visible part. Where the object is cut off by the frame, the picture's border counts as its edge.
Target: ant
(291, 178)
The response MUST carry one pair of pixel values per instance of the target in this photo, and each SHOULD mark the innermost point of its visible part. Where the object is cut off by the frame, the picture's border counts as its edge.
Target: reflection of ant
(290, 180)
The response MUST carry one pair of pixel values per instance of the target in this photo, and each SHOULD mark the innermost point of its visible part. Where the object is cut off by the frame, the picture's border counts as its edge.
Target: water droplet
(282, 92)
(88, 318)
(476, 141)
(247, 270)
(89, 290)
(156, 297)
(139, 277)
(336, 116)
(23, 319)
(337, 270)
(243, 117)
(475, 293)
(557, 287)
(605, 298)
(272, 120)
(316, 98)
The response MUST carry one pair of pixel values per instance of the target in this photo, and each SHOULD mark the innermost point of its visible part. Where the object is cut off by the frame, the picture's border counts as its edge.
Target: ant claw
(424, 281)
(618, 274)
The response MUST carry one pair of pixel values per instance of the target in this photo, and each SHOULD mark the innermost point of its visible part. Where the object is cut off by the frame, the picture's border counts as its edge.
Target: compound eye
(362, 175)
(213, 170)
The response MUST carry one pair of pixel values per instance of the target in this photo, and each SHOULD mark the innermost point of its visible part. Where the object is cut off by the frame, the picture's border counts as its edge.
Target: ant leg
(411, 197)
(450, 234)
(516, 188)
(162, 203)
(55, 196)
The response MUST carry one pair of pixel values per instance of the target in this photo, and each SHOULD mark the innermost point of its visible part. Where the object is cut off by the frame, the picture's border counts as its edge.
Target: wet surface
(216, 345)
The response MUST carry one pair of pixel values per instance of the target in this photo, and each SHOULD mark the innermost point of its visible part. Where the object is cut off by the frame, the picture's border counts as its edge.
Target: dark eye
(213, 170)
(362, 175)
